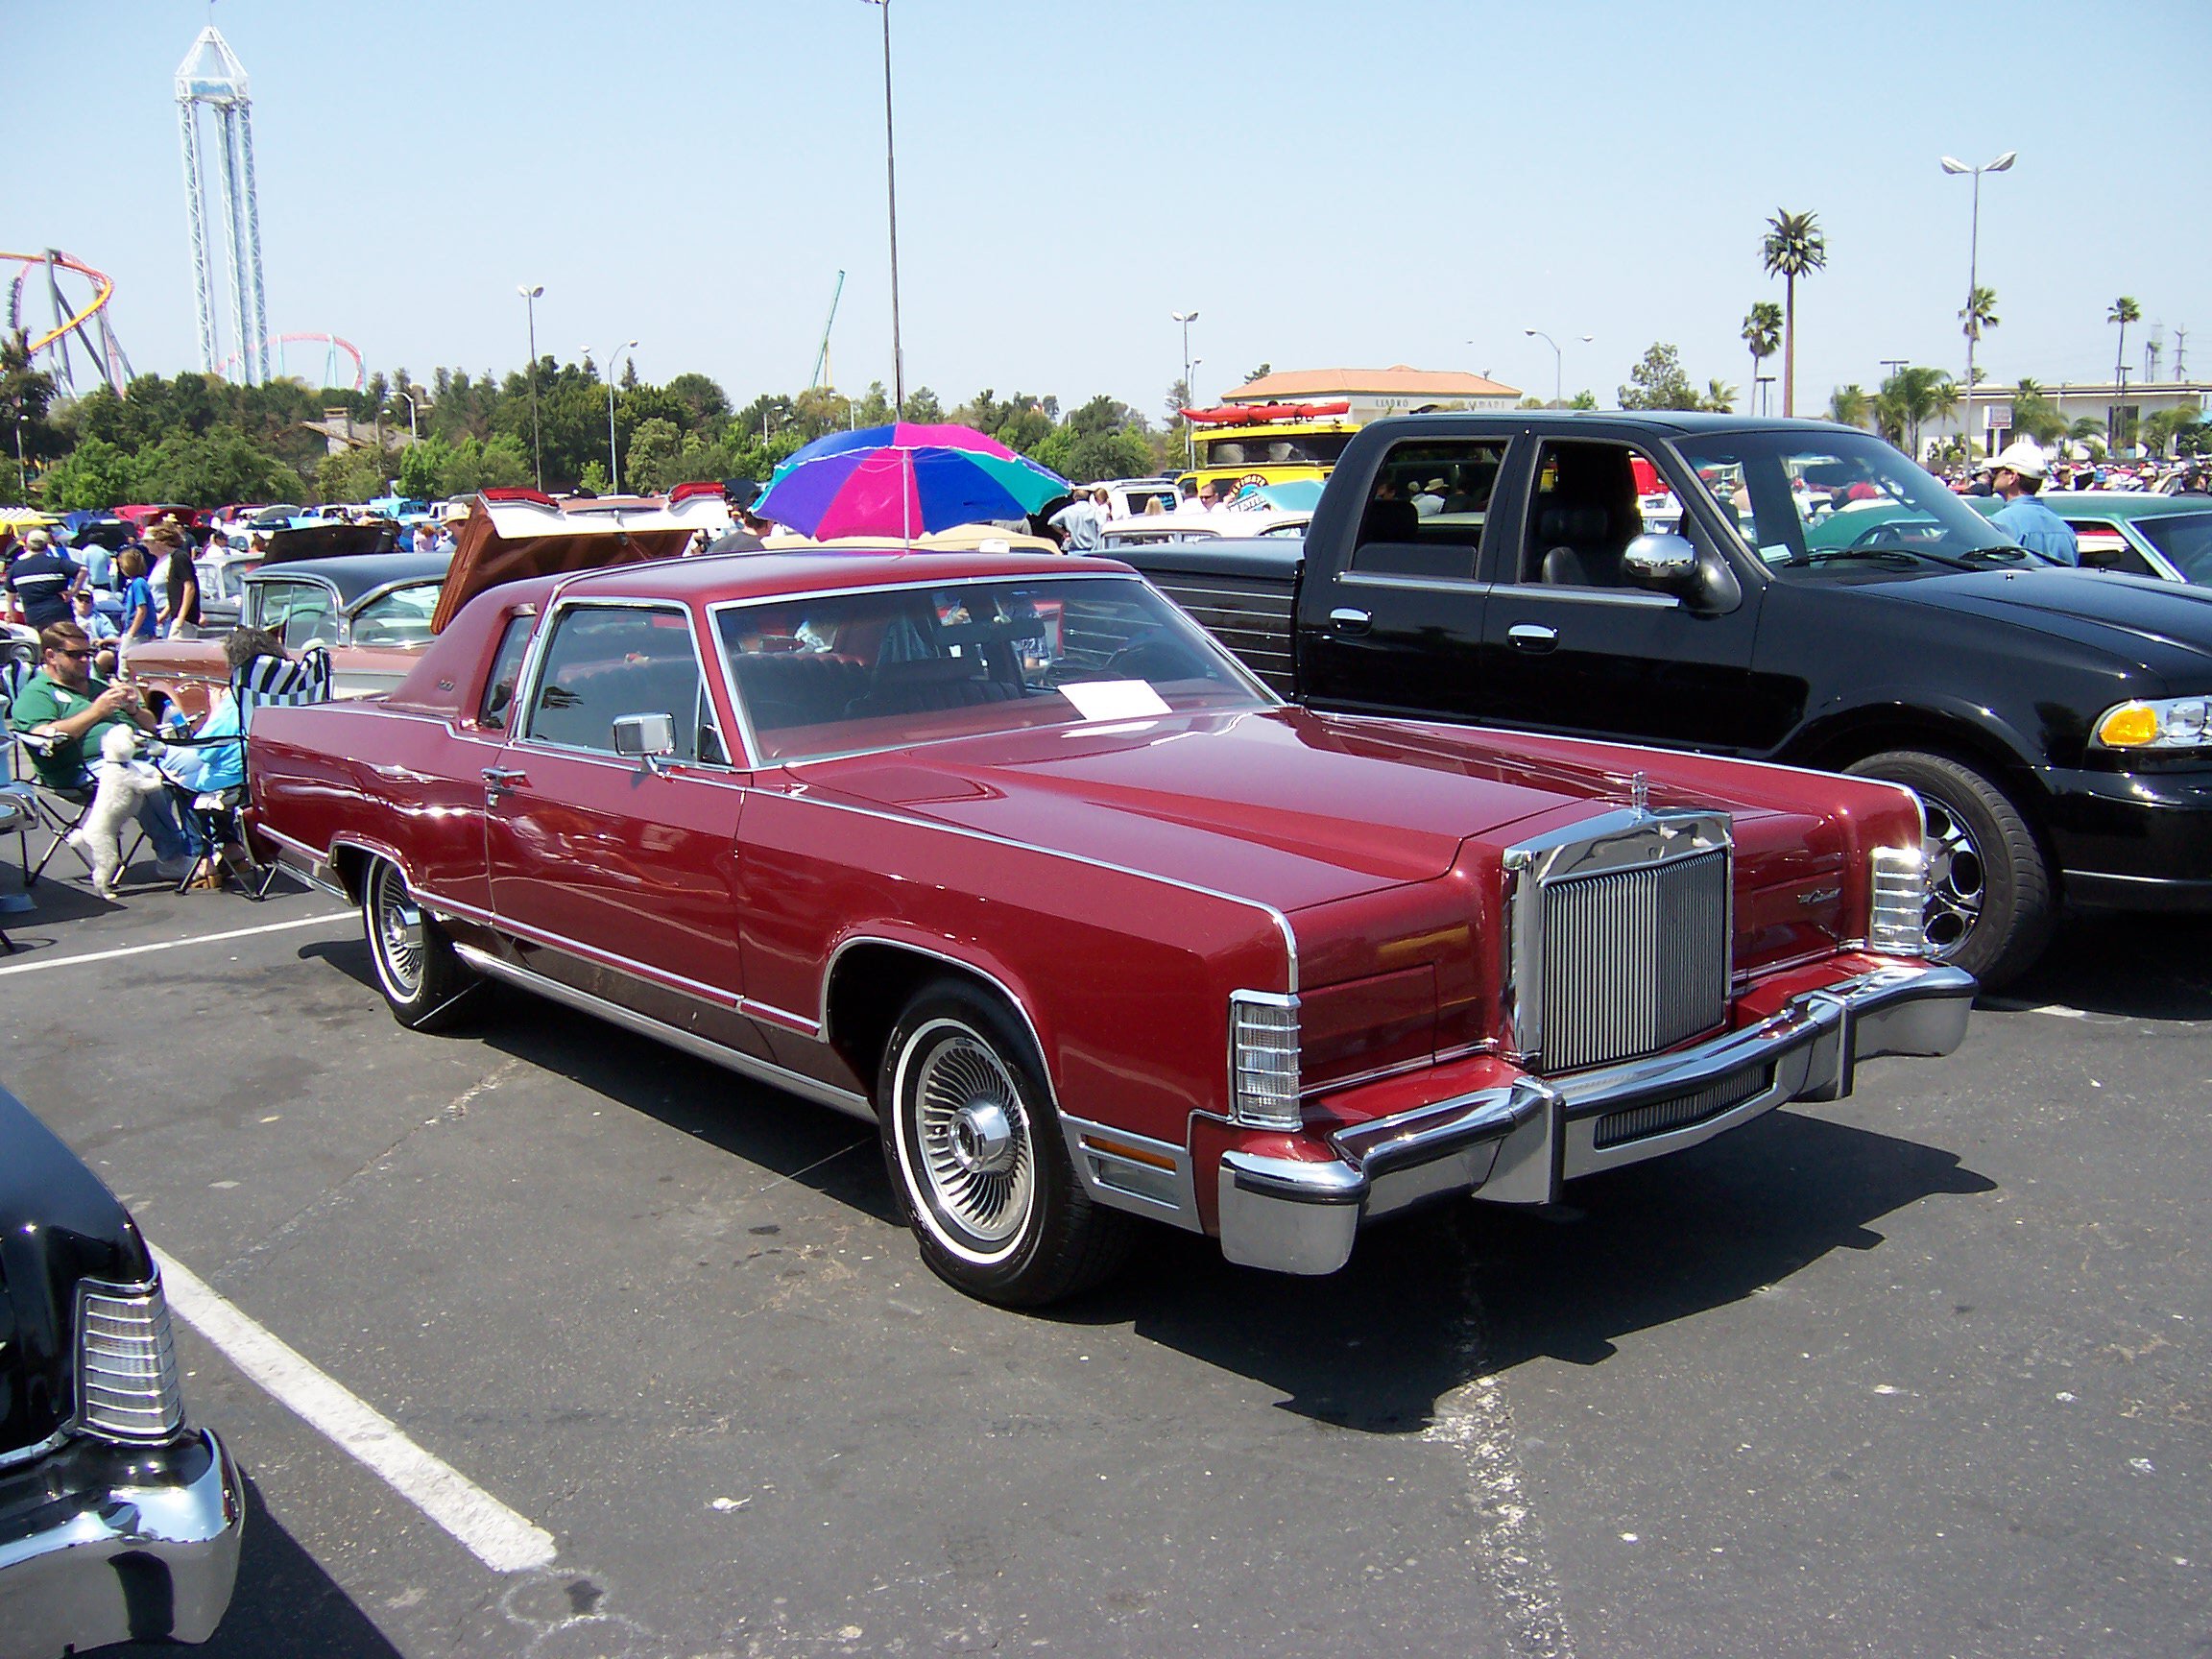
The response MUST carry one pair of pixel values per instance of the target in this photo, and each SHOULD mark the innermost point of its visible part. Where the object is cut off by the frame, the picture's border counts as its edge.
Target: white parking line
(172, 944)
(503, 1540)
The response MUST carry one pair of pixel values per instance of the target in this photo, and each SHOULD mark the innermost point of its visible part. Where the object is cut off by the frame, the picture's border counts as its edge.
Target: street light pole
(1952, 164)
(1190, 440)
(531, 294)
(1559, 382)
(891, 181)
(408, 398)
(613, 466)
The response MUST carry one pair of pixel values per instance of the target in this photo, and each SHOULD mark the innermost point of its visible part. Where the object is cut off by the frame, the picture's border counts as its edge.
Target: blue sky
(1368, 183)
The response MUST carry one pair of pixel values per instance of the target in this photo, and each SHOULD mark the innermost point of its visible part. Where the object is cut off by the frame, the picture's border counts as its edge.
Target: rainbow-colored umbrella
(903, 481)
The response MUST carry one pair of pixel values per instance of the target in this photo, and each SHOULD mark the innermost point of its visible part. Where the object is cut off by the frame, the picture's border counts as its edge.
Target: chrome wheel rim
(978, 1166)
(1958, 879)
(397, 923)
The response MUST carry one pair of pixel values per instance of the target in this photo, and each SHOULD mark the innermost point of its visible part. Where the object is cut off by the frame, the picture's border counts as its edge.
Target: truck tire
(1990, 907)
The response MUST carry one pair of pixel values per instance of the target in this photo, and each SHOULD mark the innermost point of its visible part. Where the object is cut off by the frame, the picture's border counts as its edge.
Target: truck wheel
(421, 979)
(977, 1157)
(1989, 904)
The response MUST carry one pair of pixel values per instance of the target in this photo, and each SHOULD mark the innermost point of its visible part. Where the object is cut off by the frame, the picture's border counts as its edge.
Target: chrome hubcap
(976, 1159)
(1957, 881)
(398, 934)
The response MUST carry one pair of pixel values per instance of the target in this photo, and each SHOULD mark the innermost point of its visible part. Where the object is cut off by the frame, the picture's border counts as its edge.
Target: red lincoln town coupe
(1002, 854)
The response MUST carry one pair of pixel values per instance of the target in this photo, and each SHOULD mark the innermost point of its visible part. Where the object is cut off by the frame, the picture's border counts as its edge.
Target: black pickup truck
(1784, 590)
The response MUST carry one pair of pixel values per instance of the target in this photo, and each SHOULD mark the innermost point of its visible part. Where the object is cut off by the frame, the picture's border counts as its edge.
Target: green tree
(874, 408)
(594, 478)
(1762, 335)
(1792, 247)
(96, 473)
(1717, 397)
(1657, 382)
(1908, 399)
(2123, 311)
(1583, 400)
(651, 464)
(1259, 374)
(1979, 314)
(2162, 431)
(422, 469)
(1847, 405)
(921, 406)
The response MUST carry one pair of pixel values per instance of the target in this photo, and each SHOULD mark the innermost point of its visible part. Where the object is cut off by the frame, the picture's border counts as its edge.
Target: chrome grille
(1635, 960)
(1618, 1128)
(127, 1386)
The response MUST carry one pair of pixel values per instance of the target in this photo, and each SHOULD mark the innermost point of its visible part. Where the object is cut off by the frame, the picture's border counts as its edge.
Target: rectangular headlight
(1896, 925)
(127, 1387)
(1264, 1060)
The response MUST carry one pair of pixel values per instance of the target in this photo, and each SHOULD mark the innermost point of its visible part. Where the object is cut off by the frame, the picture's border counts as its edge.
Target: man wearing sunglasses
(70, 707)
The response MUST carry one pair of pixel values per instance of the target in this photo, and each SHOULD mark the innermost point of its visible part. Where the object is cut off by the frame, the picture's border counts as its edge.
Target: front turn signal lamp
(2167, 724)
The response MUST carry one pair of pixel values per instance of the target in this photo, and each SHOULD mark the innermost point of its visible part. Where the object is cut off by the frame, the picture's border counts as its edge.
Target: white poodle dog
(124, 781)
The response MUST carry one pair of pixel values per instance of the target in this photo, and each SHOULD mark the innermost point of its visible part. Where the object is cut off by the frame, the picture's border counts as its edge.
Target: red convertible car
(1002, 854)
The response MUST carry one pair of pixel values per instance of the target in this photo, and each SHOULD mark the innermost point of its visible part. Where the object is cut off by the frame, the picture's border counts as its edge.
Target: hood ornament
(1640, 795)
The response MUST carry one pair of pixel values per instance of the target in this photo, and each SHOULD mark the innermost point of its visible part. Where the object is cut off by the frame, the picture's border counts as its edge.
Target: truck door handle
(1533, 637)
(497, 779)
(1350, 621)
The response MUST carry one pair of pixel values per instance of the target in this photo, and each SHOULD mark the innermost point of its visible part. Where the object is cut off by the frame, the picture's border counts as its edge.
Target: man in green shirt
(65, 704)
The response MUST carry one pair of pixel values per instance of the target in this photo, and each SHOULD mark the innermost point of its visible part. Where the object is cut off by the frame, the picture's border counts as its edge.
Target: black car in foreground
(118, 1521)
(1785, 591)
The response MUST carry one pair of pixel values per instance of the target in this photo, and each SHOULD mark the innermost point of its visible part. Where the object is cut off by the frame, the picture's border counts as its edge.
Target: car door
(1403, 629)
(619, 875)
(1570, 645)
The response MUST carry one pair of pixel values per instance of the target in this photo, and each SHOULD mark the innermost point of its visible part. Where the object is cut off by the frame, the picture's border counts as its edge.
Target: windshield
(888, 669)
(1809, 500)
(400, 617)
(2186, 540)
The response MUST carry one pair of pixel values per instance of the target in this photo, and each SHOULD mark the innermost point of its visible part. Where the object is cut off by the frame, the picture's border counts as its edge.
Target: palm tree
(1719, 398)
(1909, 398)
(2123, 312)
(1847, 405)
(1763, 333)
(1792, 247)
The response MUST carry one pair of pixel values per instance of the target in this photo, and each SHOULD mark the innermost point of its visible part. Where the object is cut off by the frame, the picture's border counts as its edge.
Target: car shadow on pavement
(2141, 967)
(764, 1125)
(1438, 1299)
(285, 1604)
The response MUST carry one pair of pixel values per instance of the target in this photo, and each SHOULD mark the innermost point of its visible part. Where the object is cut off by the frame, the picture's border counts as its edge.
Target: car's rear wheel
(975, 1154)
(421, 979)
(1990, 906)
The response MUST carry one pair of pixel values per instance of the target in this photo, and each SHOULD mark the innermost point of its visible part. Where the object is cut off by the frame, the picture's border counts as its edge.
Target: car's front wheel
(1990, 906)
(421, 979)
(976, 1155)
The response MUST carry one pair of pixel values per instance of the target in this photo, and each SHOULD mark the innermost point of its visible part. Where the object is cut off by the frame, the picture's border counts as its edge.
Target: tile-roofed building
(1373, 392)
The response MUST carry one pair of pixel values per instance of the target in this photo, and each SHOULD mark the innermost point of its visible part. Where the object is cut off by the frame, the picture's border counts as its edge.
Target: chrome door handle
(499, 778)
(1350, 621)
(1533, 637)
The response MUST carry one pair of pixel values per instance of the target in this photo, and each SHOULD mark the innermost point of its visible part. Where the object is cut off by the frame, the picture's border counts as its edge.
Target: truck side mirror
(1661, 559)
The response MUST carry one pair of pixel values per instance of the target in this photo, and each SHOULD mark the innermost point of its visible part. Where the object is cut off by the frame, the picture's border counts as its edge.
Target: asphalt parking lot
(1924, 1372)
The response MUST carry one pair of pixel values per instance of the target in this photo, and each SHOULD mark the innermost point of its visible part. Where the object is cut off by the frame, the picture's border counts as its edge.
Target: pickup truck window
(1840, 502)
(1427, 509)
(1582, 514)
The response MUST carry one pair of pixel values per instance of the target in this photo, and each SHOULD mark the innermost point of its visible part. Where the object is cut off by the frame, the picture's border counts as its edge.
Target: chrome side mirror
(647, 737)
(1659, 558)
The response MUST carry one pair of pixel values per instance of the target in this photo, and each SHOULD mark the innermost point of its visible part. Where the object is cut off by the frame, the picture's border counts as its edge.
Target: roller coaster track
(274, 348)
(106, 352)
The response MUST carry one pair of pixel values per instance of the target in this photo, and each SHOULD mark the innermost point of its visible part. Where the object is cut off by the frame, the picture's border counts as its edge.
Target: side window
(506, 668)
(604, 662)
(1584, 509)
(297, 612)
(1428, 507)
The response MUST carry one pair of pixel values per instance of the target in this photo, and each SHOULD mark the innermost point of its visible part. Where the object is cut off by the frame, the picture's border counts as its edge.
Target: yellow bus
(1266, 443)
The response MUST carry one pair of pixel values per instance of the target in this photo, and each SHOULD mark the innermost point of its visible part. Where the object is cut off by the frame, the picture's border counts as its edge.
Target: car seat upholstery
(931, 683)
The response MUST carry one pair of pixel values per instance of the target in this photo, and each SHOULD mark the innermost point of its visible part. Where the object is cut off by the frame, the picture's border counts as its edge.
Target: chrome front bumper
(102, 1543)
(1517, 1144)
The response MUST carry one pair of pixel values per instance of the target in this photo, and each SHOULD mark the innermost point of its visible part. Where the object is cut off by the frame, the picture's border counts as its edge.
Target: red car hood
(1289, 807)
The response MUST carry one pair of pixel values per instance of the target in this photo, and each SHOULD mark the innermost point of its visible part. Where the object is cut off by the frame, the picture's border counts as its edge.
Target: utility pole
(891, 180)
(531, 294)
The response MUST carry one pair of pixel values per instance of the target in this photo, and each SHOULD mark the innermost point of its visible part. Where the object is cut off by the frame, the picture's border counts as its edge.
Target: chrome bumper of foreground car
(1517, 1144)
(102, 1543)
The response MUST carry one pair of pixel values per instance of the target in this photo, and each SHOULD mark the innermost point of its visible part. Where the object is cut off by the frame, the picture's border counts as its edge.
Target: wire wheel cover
(399, 924)
(978, 1163)
(1956, 883)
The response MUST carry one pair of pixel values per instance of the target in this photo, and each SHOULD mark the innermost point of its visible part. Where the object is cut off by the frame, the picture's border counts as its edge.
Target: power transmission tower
(212, 75)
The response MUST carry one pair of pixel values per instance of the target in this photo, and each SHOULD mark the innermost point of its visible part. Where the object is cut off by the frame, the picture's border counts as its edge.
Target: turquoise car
(2169, 536)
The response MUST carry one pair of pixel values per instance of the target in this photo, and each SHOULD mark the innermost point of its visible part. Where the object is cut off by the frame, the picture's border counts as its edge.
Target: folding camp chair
(261, 682)
(54, 811)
